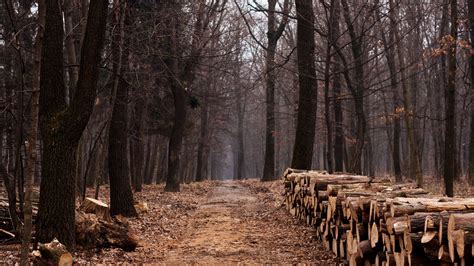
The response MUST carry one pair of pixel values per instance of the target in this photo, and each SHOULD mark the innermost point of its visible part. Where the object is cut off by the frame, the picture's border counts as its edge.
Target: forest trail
(210, 223)
(221, 230)
(232, 226)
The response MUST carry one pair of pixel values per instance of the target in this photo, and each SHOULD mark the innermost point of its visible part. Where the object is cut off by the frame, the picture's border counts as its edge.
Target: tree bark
(338, 116)
(121, 196)
(450, 109)
(307, 103)
(62, 126)
(32, 136)
(70, 49)
(202, 140)
(273, 35)
(470, 4)
(137, 140)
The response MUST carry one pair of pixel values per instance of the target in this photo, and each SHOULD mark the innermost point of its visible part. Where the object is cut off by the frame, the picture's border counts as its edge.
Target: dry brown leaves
(187, 227)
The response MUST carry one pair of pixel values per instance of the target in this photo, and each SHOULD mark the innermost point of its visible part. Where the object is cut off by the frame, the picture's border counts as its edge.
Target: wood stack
(369, 221)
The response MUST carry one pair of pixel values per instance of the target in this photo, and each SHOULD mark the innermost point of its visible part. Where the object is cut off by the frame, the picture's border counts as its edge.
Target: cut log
(395, 224)
(460, 233)
(54, 253)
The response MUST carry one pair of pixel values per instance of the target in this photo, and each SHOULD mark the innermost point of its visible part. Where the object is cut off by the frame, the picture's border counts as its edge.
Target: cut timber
(460, 233)
(93, 232)
(54, 253)
(401, 206)
(368, 221)
(97, 207)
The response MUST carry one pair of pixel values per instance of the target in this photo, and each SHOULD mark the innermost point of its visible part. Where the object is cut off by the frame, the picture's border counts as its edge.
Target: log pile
(368, 221)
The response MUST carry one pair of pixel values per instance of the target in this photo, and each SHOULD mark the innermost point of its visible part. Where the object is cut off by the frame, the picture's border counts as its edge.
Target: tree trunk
(70, 49)
(62, 126)
(240, 133)
(121, 196)
(273, 35)
(32, 137)
(137, 140)
(338, 118)
(149, 165)
(307, 103)
(470, 4)
(450, 109)
(202, 140)
(332, 38)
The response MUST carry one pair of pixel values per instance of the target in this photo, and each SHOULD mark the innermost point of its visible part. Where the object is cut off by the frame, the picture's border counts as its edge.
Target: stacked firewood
(370, 221)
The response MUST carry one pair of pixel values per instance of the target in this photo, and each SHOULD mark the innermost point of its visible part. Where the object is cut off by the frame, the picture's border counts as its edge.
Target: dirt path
(210, 223)
(235, 225)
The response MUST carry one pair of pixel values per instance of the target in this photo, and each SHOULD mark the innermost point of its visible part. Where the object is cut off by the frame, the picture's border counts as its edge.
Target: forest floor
(217, 222)
(212, 222)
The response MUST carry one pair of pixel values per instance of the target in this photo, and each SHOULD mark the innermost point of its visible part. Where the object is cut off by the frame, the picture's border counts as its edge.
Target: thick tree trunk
(307, 103)
(62, 126)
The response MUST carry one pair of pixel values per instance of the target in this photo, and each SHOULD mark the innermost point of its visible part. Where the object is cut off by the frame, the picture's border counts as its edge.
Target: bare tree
(307, 103)
(62, 125)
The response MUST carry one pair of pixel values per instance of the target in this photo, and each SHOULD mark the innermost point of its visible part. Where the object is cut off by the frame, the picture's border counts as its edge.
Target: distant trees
(191, 90)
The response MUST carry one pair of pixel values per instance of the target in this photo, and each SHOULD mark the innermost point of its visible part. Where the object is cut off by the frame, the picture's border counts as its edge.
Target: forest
(328, 132)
